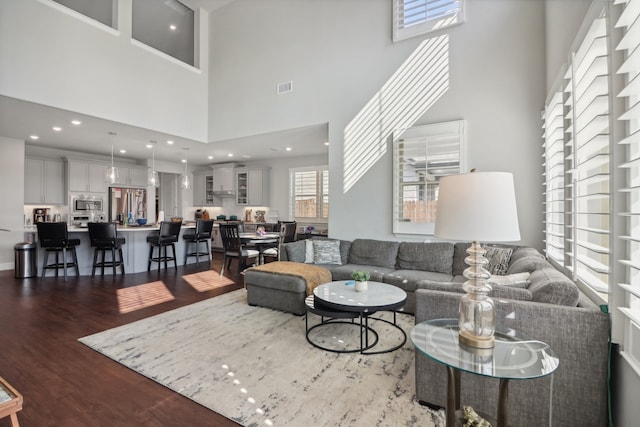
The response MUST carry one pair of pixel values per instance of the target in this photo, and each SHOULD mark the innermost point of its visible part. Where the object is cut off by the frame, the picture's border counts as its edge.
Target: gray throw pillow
(326, 252)
(498, 259)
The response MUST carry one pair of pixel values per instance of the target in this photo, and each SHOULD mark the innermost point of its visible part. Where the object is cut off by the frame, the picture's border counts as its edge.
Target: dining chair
(168, 236)
(233, 248)
(202, 234)
(104, 238)
(54, 237)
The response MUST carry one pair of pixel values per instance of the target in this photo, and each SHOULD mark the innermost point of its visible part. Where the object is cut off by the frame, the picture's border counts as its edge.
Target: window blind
(309, 188)
(627, 313)
(414, 17)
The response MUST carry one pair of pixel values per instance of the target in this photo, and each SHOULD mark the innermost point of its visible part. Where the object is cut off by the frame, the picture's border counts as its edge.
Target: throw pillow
(326, 252)
(498, 259)
(520, 280)
(308, 255)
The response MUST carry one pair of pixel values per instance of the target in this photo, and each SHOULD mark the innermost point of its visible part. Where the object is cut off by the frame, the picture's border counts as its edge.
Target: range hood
(224, 193)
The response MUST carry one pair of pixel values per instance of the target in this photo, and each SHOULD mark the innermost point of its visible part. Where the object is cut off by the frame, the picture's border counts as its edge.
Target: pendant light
(112, 172)
(154, 180)
(186, 182)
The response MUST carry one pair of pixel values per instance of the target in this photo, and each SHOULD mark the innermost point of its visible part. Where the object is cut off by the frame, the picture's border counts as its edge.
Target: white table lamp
(477, 206)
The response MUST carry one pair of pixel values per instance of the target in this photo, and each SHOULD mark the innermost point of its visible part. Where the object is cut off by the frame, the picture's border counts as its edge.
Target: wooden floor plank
(64, 383)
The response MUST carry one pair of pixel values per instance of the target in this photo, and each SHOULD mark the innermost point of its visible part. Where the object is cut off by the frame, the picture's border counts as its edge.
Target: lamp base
(466, 338)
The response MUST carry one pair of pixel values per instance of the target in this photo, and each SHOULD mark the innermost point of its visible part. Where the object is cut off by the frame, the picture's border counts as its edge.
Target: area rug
(254, 365)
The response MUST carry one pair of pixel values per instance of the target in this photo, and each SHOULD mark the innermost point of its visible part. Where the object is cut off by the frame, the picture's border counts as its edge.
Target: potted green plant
(361, 278)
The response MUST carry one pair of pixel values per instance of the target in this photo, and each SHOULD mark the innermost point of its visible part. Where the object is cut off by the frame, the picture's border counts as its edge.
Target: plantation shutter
(589, 183)
(414, 17)
(627, 311)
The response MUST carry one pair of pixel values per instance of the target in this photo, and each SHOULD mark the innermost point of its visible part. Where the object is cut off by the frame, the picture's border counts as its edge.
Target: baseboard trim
(6, 266)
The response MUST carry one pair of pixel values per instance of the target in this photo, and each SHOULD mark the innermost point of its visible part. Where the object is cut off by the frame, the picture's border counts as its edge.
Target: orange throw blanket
(312, 274)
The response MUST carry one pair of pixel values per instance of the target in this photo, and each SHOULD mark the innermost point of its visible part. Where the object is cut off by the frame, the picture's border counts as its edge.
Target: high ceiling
(20, 119)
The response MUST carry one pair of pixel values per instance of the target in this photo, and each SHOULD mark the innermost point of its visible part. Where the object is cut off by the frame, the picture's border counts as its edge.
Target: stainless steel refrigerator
(125, 201)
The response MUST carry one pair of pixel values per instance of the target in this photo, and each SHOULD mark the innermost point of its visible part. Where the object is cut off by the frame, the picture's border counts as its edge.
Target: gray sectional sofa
(550, 308)
(439, 266)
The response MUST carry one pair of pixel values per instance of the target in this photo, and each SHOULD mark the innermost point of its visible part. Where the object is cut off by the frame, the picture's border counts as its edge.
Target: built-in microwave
(82, 205)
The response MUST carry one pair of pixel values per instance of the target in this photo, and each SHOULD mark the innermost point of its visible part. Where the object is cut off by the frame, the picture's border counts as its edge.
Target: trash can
(26, 260)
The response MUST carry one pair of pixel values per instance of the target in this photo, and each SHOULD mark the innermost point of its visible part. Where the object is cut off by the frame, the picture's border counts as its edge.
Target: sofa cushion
(550, 286)
(407, 279)
(503, 292)
(524, 251)
(427, 256)
(459, 254)
(295, 251)
(326, 252)
(528, 264)
(374, 253)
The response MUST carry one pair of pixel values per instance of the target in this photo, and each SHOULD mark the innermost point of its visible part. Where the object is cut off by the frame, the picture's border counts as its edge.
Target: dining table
(261, 241)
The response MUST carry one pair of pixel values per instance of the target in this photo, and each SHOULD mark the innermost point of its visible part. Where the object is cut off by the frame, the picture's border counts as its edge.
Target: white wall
(12, 193)
(52, 58)
(339, 54)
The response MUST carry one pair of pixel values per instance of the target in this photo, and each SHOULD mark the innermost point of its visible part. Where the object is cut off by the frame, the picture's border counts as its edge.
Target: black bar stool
(202, 234)
(104, 237)
(168, 235)
(54, 237)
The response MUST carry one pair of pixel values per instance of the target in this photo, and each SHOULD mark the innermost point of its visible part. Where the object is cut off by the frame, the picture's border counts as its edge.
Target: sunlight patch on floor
(140, 296)
(206, 280)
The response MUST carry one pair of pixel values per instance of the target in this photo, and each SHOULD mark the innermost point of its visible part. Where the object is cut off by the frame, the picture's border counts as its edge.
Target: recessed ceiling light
(122, 151)
(57, 128)
(230, 155)
(184, 160)
(288, 149)
(210, 157)
(326, 143)
(172, 27)
(34, 137)
(169, 142)
(76, 122)
(149, 146)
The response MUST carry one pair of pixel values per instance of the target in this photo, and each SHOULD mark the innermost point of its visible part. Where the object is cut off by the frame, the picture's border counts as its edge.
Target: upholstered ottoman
(283, 285)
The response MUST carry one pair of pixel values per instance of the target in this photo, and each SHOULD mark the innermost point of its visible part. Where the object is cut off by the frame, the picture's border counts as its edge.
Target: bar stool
(202, 234)
(168, 236)
(104, 237)
(54, 237)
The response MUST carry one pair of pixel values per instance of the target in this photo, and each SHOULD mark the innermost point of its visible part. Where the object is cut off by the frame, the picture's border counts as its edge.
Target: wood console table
(10, 402)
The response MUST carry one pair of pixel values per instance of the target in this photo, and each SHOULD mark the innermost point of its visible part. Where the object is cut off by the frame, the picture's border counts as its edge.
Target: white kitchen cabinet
(132, 176)
(252, 186)
(44, 182)
(203, 189)
(87, 177)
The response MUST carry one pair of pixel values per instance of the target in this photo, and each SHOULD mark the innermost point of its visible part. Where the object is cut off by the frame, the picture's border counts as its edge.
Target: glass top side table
(514, 357)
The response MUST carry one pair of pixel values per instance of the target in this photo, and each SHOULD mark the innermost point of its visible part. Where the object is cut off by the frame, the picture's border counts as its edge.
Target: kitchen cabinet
(216, 239)
(87, 177)
(44, 182)
(203, 189)
(252, 186)
(132, 176)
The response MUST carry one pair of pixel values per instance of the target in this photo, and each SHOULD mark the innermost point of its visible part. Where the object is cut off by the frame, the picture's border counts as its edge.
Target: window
(167, 26)
(421, 156)
(99, 10)
(309, 190)
(414, 17)
(626, 310)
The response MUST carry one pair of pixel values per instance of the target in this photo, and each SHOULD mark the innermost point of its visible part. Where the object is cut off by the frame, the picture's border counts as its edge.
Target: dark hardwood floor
(65, 383)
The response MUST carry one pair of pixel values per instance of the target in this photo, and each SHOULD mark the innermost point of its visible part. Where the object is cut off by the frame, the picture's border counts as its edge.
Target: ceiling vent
(285, 87)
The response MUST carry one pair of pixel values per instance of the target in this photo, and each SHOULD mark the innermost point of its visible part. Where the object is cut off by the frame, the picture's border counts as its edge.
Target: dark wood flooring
(65, 383)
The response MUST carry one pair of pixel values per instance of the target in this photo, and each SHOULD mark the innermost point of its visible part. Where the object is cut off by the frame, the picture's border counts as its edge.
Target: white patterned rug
(255, 366)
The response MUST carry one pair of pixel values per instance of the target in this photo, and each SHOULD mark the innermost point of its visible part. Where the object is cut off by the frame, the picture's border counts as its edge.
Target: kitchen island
(135, 251)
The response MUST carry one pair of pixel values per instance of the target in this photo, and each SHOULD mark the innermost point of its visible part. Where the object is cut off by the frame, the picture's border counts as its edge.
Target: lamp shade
(477, 206)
